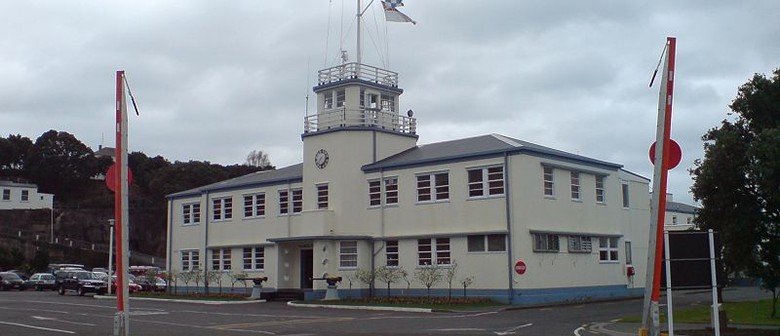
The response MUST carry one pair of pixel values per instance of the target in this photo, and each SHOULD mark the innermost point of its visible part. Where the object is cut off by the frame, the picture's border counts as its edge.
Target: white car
(41, 281)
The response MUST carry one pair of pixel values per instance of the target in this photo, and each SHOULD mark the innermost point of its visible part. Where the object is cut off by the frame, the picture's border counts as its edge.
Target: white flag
(392, 13)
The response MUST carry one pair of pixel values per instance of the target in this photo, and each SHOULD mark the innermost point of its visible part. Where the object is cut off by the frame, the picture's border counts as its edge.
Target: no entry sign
(520, 267)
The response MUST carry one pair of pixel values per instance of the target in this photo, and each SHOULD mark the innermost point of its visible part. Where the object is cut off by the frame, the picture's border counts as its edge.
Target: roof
(476, 147)
(680, 207)
(6, 183)
(291, 174)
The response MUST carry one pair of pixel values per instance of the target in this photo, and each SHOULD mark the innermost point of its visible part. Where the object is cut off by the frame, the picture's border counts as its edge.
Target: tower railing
(342, 117)
(358, 71)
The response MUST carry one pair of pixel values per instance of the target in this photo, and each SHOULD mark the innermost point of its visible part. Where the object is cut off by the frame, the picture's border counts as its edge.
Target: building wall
(14, 199)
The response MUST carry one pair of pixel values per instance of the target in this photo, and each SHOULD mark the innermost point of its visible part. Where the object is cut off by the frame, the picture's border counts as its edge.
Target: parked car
(80, 281)
(10, 280)
(41, 281)
(155, 284)
(132, 287)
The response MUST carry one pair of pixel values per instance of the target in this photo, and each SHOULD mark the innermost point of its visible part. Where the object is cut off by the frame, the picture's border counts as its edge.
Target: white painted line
(36, 327)
(577, 331)
(379, 308)
(459, 329)
(512, 330)
(61, 321)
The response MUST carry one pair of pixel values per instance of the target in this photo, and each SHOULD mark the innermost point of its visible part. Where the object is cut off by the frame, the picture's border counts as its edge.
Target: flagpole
(358, 48)
(121, 214)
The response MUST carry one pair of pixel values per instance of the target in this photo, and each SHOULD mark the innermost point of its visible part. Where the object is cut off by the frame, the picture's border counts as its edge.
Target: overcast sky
(215, 80)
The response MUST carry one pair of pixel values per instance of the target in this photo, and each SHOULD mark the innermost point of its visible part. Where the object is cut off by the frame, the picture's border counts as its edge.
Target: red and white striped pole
(121, 213)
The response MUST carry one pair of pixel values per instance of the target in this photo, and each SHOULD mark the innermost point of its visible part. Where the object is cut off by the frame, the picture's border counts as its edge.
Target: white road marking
(577, 331)
(512, 330)
(62, 321)
(36, 327)
(458, 329)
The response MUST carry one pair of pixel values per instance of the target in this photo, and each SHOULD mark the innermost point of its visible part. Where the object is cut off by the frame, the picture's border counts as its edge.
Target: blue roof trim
(321, 87)
(359, 128)
(304, 238)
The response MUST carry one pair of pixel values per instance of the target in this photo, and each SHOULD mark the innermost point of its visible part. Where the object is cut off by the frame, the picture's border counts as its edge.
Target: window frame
(580, 244)
(626, 196)
(192, 260)
(6, 195)
(322, 196)
(254, 205)
(222, 208)
(254, 257)
(429, 189)
(609, 253)
(392, 254)
(25, 196)
(542, 242)
(601, 195)
(485, 243)
(374, 193)
(348, 255)
(221, 259)
(439, 249)
(190, 213)
(576, 186)
(487, 177)
(548, 181)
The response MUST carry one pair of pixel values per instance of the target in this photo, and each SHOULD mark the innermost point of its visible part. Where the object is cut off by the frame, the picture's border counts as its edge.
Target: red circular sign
(674, 154)
(111, 177)
(520, 267)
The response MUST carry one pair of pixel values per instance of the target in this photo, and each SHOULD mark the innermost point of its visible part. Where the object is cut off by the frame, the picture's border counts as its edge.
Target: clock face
(321, 158)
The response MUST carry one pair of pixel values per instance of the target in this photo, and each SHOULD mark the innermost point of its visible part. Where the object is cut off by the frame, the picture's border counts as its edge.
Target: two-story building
(23, 196)
(367, 196)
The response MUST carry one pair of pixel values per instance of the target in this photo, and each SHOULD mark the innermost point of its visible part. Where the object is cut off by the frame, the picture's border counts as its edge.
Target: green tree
(13, 154)
(429, 276)
(258, 158)
(738, 183)
(61, 164)
(389, 275)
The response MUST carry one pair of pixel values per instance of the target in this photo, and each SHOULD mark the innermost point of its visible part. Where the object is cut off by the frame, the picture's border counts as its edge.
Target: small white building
(23, 196)
(679, 216)
(367, 196)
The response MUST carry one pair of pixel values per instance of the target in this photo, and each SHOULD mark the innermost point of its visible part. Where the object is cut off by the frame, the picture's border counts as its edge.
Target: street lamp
(110, 252)
(51, 221)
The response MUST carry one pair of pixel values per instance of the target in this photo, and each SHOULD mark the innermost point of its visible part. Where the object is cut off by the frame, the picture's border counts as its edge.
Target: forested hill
(58, 163)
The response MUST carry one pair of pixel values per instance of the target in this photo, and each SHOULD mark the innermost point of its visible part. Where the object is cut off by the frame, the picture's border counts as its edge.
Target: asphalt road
(46, 313)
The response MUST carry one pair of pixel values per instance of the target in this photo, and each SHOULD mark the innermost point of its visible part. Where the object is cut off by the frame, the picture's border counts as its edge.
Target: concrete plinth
(256, 290)
(331, 293)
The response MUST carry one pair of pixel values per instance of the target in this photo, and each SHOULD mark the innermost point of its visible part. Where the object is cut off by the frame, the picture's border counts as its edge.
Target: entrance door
(307, 268)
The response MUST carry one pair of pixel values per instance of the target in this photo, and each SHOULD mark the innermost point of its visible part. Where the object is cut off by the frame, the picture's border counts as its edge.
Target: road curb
(376, 308)
(205, 302)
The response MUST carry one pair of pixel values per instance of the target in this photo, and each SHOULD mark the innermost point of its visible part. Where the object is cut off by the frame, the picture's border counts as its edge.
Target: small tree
(467, 281)
(367, 277)
(389, 275)
(171, 278)
(186, 277)
(198, 277)
(429, 276)
(213, 276)
(450, 275)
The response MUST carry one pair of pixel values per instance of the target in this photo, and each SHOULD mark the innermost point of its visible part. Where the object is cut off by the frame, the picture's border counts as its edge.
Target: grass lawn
(748, 312)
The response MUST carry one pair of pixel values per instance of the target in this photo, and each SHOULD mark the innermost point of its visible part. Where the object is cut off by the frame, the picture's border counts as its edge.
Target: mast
(357, 48)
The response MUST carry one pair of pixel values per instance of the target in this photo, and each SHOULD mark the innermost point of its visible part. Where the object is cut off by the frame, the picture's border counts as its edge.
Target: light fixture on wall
(324, 261)
(324, 248)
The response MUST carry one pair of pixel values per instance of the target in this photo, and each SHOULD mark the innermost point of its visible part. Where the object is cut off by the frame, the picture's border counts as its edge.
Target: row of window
(6, 195)
(548, 186)
(435, 187)
(608, 246)
(253, 259)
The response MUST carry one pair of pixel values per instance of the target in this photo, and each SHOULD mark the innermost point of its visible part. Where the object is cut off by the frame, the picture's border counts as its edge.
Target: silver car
(41, 281)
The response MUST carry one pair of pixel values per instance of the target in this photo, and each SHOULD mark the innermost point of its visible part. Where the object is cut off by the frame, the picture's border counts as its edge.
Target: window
(220, 259)
(674, 219)
(575, 185)
(340, 98)
(629, 258)
(254, 205)
(626, 204)
(489, 243)
(608, 249)
(388, 103)
(486, 181)
(600, 189)
(546, 242)
(580, 244)
(348, 254)
(437, 249)
(254, 258)
(433, 187)
(391, 251)
(688, 220)
(391, 190)
(25, 195)
(284, 201)
(322, 196)
(328, 99)
(191, 213)
(374, 193)
(223, 208)
(548, 182)
(190, 260)
(6, 194)
(297, 200)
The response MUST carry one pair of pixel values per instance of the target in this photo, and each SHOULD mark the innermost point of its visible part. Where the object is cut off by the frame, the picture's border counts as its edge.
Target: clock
(321, 158)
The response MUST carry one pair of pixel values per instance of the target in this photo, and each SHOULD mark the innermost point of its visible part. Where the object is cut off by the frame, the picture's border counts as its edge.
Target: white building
(679, 216)
(23, 196)
(367, 196)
